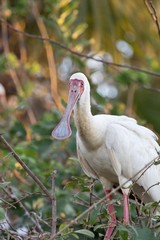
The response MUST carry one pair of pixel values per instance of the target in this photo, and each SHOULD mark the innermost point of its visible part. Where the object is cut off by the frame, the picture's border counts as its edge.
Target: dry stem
(50, 57)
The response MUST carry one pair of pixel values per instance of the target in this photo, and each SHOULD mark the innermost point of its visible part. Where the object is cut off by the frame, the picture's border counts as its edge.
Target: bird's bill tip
(62, 130)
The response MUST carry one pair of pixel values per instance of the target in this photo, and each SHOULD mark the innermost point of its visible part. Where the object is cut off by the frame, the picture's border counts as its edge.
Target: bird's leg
(126, 209)
(112, 223)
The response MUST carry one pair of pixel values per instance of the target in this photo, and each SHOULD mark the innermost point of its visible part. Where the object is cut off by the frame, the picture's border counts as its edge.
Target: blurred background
(34, 85)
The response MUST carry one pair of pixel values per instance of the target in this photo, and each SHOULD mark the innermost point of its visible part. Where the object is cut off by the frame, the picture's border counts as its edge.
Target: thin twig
(157, 90)
(54, 211)
(152, 11)
(12, 71)
(10, 193)
(29, 195)
(82, 201)
(12, 233)
(104, 198)
(4, 201)
(26, 168)
(40, 219)
(124, 66)
(145, 192)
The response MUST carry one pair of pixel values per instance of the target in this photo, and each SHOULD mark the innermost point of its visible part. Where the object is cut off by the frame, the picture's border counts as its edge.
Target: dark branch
(141, 171)
(112, 64)
(54, 212)
(31, 174)
(152, 11)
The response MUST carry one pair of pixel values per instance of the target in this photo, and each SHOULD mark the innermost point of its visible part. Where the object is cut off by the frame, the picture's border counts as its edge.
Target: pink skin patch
(126, 220)
(113, 221)
(63, 129)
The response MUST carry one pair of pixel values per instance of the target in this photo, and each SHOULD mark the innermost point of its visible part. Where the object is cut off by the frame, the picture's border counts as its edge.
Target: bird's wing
(139, 129)
(118, 168)
(131, 148)
(87, 168)
(142, 132)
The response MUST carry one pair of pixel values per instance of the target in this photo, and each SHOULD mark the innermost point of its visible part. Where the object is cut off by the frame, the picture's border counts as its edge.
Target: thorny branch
(82, 55)
(152, 11)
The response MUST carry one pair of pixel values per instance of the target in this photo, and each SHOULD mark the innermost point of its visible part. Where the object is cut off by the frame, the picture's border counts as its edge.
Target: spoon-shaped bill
(63, 130)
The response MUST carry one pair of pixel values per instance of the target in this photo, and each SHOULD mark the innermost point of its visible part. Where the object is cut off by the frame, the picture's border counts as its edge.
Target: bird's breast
(99, 161)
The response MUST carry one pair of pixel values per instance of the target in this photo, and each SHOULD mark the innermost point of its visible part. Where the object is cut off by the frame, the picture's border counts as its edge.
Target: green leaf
(145, 233)
(85, 232)
(122, 228)
(2, 214)
(75, 235)
(66, 231)
(99, 226)
(79, 30)
(2, 63)
(4, 184)
(12, 60)
(93, 216)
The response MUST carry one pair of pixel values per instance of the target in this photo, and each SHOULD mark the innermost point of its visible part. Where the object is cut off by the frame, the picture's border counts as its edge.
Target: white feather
(115, 148)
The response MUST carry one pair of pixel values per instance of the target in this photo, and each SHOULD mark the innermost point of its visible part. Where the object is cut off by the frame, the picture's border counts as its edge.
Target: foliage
(28, 113)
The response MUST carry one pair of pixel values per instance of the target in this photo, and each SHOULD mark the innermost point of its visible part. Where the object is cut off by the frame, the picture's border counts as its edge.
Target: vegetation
(42, 44)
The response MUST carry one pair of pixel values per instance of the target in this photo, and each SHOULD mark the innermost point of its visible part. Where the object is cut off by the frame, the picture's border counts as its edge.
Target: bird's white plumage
(115, 148)
(112, 149)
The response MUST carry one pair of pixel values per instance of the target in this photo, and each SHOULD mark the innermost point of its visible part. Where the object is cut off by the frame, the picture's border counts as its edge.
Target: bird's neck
(84, 121)
(82, 113)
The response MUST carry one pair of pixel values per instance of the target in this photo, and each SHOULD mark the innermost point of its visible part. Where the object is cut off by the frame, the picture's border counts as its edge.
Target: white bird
(110, 148)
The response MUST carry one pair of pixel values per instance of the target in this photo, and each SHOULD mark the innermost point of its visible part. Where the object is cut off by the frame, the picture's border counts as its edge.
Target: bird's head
(78, 84)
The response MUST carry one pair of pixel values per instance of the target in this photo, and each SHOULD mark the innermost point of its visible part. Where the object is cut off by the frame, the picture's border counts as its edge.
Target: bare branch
(12, 233)
(4, 201)
(152, 11)
(145, 192)
(54, 212)
(26, 168)
(12, 71)
(29, 195)
(10, 193)
(151, 89)
(141, 171)
(112, 64)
